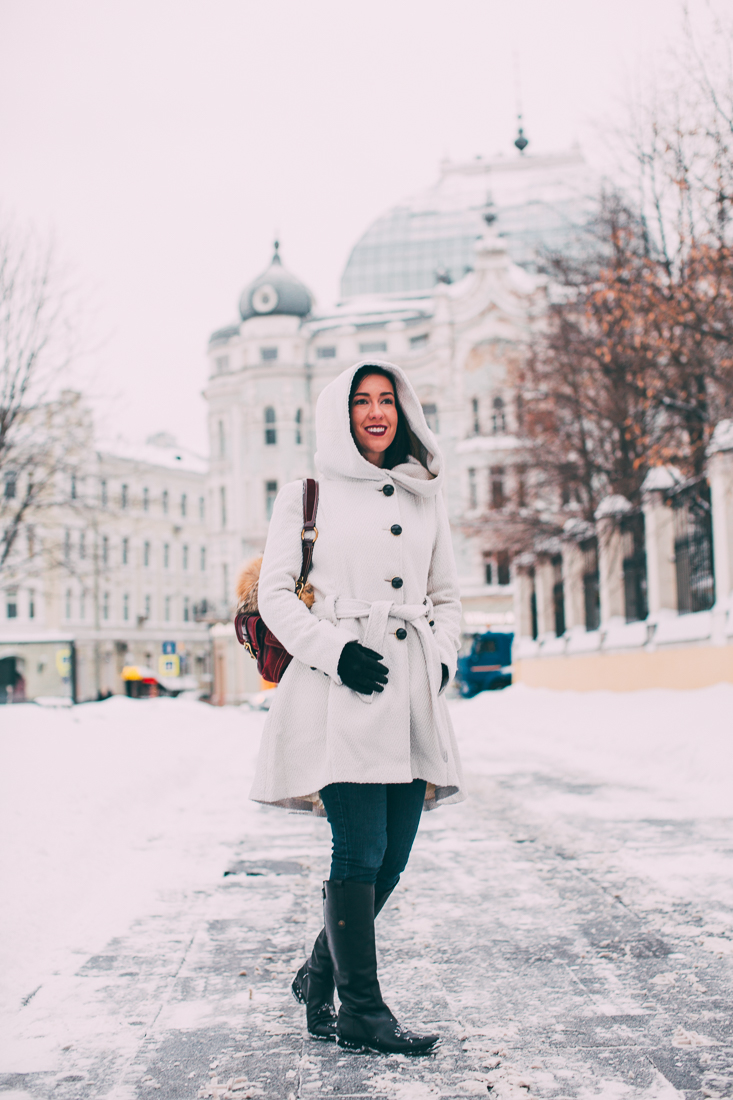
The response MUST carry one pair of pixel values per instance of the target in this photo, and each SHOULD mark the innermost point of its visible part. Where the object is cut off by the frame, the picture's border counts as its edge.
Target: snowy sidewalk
(569, 929)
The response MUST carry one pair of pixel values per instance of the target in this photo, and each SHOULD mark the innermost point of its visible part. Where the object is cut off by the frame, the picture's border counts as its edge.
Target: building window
(73, 487)
(222, 440)
(225, 581)
(67, 608)
(146, 499)
(126, 607)
(223, 505)
(430, 413)
(146, 554)
(326, 353)
(372, 346)
(31, 604)
(222, 363)
(498, 419)
(184, 504)
(203, 559)
(166, 555)
(502, 567)
(82, 546)
(125, 551)
(164, 502)
(298, 424)
(270, 429)
(472, 491)
(201, 508)
(270, 494)
(476, 429)
(82, 605)
(498, 499)
(11, 485)
(11, 603)
(419, 341)
(186, 610)
(147, 606)
(185, 557)
(105, 605)
(123, 496)
(103, 493)
(521, 487)
(268, 354)
(31, 540)
(489, 572)
(105, 550)
(67, 544)
(167, 609)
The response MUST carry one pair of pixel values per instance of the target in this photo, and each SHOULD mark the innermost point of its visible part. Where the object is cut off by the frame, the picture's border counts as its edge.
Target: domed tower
(276, 292)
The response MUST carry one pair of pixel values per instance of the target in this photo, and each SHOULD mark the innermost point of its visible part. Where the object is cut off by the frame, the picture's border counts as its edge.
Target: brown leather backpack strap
(309, 534)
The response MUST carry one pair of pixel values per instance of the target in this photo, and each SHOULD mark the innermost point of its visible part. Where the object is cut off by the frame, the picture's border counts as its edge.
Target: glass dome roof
(538, 202)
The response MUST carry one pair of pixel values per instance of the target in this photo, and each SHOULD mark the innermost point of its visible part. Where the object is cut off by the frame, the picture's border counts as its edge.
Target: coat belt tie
(378, 615)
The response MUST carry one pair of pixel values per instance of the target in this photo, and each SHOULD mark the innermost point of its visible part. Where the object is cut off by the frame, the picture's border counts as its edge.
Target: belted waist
(378, 615)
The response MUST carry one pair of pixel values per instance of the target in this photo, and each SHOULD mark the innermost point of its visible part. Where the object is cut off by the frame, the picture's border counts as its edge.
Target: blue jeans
(373, 826)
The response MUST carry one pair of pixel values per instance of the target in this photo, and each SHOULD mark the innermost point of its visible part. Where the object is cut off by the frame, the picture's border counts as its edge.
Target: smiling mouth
(376, 431)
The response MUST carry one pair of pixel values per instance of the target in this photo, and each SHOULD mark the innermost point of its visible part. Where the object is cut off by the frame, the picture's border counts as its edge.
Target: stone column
(610, 558)
(572, 579)
(544, 580)
(661, 575)
(523, 588)
(720, 475)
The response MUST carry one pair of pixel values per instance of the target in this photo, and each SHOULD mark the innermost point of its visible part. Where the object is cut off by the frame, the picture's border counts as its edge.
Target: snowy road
(569, 929)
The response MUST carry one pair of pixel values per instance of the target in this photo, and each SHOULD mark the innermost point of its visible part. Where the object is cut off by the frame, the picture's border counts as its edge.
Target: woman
(358, 725)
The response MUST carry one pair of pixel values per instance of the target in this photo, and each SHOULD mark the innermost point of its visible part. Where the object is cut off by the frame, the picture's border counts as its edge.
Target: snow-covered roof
(160, 450)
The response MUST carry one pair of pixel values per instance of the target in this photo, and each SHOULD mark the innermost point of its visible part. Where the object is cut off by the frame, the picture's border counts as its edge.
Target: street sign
(169, 665)
(169, 647)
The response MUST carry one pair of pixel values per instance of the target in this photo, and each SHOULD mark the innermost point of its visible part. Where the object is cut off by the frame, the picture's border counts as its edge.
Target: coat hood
(337, 455)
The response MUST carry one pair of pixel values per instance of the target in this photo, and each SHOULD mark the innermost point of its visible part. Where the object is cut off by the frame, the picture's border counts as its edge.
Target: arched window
(498, 419)
(298, 424)
(270, 429)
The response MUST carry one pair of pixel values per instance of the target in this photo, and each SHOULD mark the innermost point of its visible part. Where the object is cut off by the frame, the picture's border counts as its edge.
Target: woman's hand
(360, 669)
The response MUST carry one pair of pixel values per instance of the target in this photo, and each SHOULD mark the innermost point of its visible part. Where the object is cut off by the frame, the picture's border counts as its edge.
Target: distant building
(111, 566)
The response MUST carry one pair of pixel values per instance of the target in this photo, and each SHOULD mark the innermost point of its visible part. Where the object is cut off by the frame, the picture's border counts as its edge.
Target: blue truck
(487, 666)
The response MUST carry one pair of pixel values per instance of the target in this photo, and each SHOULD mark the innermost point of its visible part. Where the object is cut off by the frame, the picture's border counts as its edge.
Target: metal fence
(591, 585)
(634, 566)
(693, 547)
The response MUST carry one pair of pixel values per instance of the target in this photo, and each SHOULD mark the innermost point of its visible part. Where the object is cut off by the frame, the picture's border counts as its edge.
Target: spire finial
(520, 141)
(276, 257)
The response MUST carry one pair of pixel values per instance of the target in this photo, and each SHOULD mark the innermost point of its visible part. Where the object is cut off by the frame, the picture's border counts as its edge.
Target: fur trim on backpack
(247, 587)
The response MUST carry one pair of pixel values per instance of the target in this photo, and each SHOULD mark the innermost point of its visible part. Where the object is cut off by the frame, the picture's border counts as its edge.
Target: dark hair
(404, 443)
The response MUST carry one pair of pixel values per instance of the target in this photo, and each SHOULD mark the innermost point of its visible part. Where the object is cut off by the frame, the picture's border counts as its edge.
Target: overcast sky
(164, 143)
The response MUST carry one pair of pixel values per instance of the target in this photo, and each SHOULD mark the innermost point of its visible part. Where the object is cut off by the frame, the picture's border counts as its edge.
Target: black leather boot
(313, 985)
(364, 1020)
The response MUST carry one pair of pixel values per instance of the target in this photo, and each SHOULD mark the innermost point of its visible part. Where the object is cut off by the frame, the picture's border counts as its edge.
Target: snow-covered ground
(109, 810)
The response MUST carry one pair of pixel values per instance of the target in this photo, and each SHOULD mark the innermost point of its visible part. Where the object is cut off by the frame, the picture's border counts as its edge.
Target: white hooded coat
(319, 731)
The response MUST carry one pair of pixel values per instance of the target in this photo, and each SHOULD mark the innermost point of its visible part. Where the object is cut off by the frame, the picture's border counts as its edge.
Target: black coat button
(397, 582)
(432, 622)
(396, 529)
(388, 490)
(401, 633)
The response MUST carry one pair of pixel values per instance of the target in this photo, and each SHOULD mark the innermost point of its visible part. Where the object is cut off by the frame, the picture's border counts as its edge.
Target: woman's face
(374, 416)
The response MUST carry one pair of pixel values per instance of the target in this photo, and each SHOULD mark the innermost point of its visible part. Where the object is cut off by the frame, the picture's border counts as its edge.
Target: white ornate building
(433, 285)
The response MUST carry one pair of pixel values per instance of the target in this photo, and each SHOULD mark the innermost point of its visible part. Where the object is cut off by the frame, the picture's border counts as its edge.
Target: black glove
(360, 670)
(446, 675)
